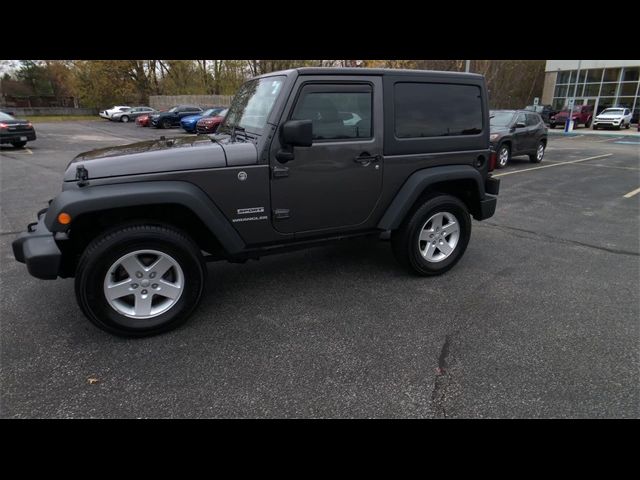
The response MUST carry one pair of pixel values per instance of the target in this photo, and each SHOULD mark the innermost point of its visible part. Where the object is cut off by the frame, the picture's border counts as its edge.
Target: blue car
(189, 123)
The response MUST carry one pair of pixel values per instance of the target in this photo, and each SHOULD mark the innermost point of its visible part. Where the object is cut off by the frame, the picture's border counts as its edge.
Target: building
(601, 83)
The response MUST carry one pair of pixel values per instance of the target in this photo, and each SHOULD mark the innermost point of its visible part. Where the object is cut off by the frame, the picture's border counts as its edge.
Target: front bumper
(37, 248)
(18, 136)
(608, 123)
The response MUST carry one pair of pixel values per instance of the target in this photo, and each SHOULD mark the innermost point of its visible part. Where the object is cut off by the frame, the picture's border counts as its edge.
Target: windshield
(252, 104)
(173, 109)
(501, 119)
(211, 112)
(4, 116)
(612, 111)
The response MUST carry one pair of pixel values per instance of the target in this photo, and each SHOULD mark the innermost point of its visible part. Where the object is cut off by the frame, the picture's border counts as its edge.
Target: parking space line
(554, 165)
(607, 140)
(25, 151)
(632, 193)
(615, 167)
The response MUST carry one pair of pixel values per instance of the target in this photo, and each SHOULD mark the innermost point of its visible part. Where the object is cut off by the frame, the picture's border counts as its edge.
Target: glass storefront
(602, 87)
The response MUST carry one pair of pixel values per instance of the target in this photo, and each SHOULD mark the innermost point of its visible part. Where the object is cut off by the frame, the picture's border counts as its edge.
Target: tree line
(102, 83)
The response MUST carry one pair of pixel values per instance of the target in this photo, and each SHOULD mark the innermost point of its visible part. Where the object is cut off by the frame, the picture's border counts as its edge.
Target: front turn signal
(64, 218)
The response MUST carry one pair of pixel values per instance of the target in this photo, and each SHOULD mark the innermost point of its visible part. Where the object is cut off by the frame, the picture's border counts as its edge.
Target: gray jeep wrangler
(304, 156)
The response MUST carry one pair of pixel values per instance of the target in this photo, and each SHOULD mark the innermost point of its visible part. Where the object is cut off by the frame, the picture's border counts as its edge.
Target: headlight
(494, 136)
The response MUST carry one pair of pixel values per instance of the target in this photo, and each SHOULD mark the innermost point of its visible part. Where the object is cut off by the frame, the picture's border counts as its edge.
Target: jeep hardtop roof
(368, 71)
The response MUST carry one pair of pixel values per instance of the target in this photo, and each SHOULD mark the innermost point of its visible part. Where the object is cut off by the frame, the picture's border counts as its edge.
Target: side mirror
(520, 125)
(297, 133)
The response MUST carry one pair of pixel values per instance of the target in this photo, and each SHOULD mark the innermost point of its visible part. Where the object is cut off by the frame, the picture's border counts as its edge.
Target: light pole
(575, 91)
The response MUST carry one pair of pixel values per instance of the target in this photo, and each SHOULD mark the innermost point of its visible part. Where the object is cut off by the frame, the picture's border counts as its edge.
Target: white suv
(110, 111)
(613, 117)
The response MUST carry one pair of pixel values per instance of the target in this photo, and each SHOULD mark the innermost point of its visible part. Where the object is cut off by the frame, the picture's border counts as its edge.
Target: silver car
(131, 114)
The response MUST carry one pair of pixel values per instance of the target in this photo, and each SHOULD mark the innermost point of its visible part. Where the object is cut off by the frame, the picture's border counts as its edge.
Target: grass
(62, 118)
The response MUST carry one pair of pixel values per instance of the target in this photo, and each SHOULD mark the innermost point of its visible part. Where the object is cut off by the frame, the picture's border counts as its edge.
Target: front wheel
(504, 155)
(434, 237)
(140, 280)
(166, 124)
(539, 155)
(124, 118)
(552, 125)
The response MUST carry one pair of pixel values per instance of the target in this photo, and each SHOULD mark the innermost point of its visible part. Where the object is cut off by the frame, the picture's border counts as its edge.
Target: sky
(8, 66)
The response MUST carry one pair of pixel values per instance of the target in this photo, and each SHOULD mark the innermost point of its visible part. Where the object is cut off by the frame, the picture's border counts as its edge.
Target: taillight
(29, 124)
(493, 158)
(3, 126)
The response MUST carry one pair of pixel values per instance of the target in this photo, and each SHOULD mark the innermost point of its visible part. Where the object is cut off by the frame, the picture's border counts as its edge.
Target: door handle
(366, 159)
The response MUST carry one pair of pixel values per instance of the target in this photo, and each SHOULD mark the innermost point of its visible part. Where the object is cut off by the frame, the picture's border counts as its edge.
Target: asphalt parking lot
(538, 320)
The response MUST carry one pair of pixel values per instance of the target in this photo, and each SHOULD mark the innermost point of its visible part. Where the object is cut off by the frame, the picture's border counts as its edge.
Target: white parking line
(607, 140)
(554, 165)
(632, 193)
(12, 152)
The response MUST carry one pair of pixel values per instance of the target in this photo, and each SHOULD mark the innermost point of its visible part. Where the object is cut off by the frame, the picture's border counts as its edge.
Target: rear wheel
(140, 280)
(588, 124)
(539, 155)
(18, 144)
(434, 237)
(166, 123)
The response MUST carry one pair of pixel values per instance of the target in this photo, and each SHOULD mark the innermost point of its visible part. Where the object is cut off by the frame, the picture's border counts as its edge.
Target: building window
(592, 90)
(561, 91)
(631, 74)
(611, 75)
(594, 76)
(609, 89)
(627, 89)
(563, 77)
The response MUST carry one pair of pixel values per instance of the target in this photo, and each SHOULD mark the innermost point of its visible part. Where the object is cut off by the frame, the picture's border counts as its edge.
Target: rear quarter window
(436, 110)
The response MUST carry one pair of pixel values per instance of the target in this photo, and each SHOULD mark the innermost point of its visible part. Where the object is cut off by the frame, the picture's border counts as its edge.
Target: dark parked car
(8, 112)
(132, 114)
(135, 225)
(545, 111)
(172, 117)
(514, 133)
(16, 132)
(211, 124)
(582, 115)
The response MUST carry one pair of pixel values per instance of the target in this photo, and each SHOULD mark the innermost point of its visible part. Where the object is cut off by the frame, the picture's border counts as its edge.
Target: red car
(582, 115)
(210, 124)
(143, 121)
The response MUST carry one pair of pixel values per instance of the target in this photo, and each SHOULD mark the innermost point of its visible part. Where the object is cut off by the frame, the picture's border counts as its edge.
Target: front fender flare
(90, 199)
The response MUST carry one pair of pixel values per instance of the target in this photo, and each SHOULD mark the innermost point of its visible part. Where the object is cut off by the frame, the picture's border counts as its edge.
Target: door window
(521, 119)
(336, 115)
(532, 120)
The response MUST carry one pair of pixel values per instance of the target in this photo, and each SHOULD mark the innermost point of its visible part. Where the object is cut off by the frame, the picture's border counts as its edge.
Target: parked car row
(191, 118)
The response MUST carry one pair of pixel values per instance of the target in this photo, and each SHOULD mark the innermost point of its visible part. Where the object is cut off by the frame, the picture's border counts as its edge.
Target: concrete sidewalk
(633, 131)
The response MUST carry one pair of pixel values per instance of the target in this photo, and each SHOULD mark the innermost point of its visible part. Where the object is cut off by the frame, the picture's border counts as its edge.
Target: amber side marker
(64, 218)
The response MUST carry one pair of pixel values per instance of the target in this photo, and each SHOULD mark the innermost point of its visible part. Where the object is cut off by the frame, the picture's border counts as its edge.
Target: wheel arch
(461, 181)
(176, 203)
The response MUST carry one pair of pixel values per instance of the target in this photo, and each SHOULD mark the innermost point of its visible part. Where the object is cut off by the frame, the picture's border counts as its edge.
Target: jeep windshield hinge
(82, 176)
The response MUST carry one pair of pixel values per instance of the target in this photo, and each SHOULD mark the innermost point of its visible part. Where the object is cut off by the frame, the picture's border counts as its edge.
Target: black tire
(105, 250)
(628, 126)
(500, 150)
(406, 244)
(124, 118)
(588, 124)
(595, 126)
(166, 123)
(552, 125)
(19, 144)
(534, 157)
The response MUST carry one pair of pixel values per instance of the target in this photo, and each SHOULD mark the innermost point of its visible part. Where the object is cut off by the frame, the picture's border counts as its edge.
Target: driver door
(335, 183)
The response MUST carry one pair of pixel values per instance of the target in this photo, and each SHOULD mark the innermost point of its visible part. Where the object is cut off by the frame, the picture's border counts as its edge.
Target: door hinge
(279, 172)
(281, 213)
